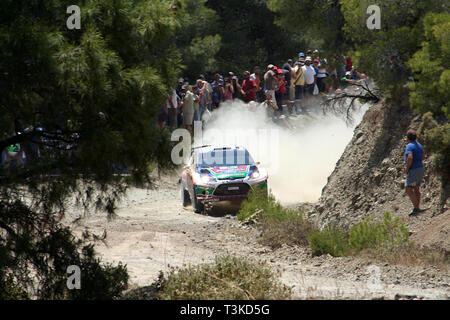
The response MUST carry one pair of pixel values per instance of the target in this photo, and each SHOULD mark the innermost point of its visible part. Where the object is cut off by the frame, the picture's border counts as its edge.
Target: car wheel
(198, 206)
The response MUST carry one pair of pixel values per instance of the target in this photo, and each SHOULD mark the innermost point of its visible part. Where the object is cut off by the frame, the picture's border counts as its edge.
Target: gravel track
(153, 231)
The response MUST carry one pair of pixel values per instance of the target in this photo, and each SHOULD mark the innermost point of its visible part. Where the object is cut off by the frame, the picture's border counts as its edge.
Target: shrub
(437, 141)
(293, 230)
(10, 289)
(370, 234)
(330, 240)
(229, 278)
(278, 224)
(259, 204)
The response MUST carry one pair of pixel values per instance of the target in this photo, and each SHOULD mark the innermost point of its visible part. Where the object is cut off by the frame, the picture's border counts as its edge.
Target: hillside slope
(369, 180)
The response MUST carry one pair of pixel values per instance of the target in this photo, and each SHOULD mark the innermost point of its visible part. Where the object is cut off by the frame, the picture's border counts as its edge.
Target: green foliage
(36, 251)
(431, 89)
(330, 240)
(437, 141)
(317, 23)
(229, 278)
(250, 36)
(388, 233)
(97, 93)
(260, 204)
(201, 54)
(278, 225)
(369, 234)
(10, 290)
(198, 40)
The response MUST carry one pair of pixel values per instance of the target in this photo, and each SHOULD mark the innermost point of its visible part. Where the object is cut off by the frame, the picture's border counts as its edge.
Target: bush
(330, 240)
(278, 225)
(365, 235)
(437, 141)
(293, 231)
(259, 204)
(370, 234)
(10, 290)
(229, 278)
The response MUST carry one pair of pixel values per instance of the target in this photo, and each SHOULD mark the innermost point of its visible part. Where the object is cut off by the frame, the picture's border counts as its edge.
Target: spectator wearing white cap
(271, 82)
(298, 82)
(310, 80)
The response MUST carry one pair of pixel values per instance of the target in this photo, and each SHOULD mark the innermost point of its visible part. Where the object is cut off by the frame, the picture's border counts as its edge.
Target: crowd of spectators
(289, 89)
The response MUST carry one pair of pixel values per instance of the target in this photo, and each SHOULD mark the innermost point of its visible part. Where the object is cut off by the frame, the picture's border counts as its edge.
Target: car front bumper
(217, 193)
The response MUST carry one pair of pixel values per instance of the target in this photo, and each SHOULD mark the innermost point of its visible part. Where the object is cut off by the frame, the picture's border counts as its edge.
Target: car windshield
(229, 157)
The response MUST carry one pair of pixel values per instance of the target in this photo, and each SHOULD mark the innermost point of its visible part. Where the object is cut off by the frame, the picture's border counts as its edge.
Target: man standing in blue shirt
(414, 155)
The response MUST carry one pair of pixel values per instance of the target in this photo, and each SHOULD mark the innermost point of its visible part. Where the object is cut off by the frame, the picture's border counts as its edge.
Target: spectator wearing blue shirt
(414, 155)
(217, 91)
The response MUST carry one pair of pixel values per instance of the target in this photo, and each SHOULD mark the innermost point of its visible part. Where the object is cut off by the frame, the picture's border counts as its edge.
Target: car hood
(228, 172)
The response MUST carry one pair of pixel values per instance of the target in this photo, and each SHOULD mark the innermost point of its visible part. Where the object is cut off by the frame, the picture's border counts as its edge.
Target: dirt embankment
(369, 180)
(153, 232)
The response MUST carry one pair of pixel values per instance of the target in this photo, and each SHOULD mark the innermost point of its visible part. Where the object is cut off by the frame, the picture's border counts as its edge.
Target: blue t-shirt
(416, 150)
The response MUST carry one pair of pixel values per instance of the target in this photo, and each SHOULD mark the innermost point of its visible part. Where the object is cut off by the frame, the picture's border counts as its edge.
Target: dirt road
(153, 232)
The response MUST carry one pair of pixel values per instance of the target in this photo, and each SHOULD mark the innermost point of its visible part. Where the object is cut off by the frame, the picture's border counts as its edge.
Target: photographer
(228, 90)
(236, 86)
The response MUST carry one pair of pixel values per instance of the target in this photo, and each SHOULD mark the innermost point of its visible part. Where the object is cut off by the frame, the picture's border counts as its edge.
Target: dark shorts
(321, 84)
(309, 90)
(299, 92)
(414, 177)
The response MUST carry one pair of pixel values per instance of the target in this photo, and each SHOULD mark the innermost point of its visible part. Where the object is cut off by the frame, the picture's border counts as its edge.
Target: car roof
(204, 149)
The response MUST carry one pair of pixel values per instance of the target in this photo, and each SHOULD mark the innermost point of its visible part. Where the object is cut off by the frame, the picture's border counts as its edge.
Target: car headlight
(206, 178)
(255, 175)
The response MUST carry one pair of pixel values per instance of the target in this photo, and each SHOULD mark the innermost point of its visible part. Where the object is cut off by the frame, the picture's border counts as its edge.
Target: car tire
(198, 206)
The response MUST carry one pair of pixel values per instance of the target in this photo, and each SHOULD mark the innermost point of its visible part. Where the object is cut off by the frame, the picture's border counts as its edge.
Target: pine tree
(83, 105)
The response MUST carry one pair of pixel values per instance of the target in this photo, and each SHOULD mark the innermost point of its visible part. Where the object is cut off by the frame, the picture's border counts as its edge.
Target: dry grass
(293, 230)
(409, 254)
(278, 225)
(229, 278)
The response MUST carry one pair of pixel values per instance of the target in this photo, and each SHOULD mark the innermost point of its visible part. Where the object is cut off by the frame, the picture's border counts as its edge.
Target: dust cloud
(298, 161)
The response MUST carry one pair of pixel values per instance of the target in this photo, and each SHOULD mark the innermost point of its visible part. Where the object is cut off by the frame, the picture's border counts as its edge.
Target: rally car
(220, 173)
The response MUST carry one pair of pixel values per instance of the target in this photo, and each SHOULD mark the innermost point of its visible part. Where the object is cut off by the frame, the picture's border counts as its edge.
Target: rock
(392, 172)
(321, 208)
(377, 176)
(360, 140)
(359, 134)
